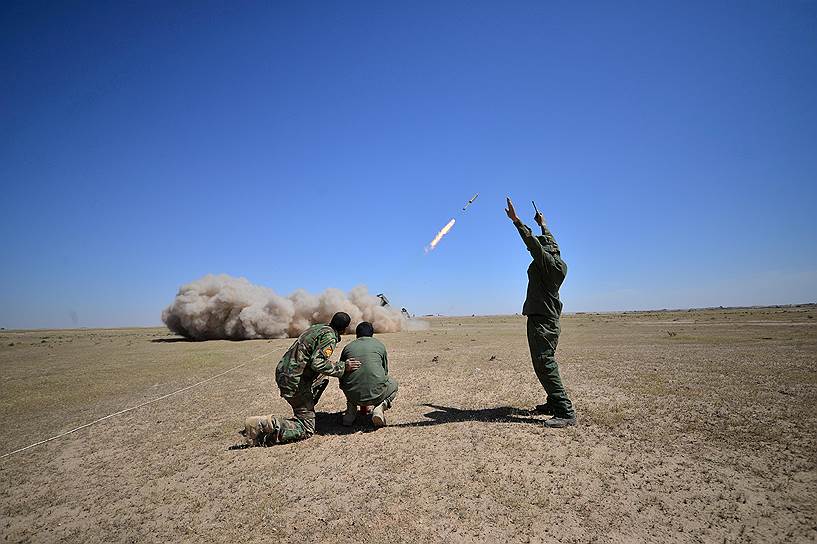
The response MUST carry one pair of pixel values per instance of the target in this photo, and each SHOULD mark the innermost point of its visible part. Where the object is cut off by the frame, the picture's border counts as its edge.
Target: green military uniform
(543, 308)
(301, 372)
(369, 385)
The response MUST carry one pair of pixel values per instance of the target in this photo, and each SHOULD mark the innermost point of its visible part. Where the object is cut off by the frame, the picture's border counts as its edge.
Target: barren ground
(693, 427)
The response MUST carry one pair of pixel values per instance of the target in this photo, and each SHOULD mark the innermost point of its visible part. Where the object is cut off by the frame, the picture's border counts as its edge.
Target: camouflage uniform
(301, 377)
(543, 308)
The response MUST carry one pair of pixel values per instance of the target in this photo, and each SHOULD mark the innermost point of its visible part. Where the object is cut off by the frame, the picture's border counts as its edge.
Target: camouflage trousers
(279, 429)
(543, 336)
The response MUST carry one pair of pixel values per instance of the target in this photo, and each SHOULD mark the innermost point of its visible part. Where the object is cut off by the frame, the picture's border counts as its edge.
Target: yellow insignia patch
(327, 351)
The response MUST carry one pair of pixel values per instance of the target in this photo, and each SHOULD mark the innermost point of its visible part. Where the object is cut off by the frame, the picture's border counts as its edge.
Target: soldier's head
(364, 329)
(340, 321)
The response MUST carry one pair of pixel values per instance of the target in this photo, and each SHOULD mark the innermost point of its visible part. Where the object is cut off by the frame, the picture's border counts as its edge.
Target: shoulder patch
(328, 351)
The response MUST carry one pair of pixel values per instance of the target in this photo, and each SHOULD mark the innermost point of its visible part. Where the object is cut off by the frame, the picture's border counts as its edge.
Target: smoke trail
(224, 307)
(443, 232)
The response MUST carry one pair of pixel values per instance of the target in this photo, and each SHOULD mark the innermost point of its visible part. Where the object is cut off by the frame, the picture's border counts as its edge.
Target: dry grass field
(693, 427)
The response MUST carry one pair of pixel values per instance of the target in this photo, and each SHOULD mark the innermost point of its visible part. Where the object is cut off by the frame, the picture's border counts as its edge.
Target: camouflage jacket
(307, 360)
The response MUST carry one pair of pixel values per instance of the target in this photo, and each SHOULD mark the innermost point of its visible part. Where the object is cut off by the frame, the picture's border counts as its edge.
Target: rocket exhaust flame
(443, 232)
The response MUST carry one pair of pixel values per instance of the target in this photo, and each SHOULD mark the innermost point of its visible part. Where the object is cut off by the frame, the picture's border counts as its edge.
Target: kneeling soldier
(301, 378)
(371, 385)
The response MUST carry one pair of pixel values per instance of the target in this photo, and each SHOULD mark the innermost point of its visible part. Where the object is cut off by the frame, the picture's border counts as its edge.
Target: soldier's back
(292, 365)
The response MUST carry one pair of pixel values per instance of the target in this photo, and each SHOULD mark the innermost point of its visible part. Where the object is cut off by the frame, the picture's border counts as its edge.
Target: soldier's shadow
(441, 415)
(329, 424)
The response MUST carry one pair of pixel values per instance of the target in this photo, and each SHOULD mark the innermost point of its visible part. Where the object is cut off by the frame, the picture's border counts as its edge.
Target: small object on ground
(560, 422)
(435, 359)
(671, 333)
(493, 358)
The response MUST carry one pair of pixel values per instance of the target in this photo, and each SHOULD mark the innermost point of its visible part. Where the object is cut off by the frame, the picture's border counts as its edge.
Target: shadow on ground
(445, 414)
(328, 424)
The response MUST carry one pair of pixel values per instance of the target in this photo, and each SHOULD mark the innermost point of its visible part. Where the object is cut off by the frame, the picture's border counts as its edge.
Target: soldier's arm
(534, 246)
(385, 361)
(549, 236)
(540, 256)
(320, 358)
(540, 220)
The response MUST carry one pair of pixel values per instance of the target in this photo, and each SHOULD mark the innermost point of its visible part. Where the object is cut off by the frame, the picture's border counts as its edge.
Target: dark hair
(364, 329)
(340, 321)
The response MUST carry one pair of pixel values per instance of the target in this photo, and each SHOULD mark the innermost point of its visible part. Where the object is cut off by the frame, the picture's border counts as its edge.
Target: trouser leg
(267, 430)
(350, 414)
(383, 403)
(542, 340)
(302, 424)
(388, 396)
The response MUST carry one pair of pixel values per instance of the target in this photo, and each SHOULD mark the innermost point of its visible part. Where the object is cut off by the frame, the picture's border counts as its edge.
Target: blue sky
(672, 147)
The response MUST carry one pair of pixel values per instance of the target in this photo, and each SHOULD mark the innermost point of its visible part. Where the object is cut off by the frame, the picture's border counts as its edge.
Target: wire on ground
(120, 412)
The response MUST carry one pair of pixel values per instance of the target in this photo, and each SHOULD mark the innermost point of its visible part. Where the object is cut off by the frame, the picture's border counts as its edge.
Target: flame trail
(443, 232)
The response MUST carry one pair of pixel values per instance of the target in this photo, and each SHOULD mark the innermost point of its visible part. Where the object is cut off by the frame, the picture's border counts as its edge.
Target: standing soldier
(543, 308)
(301, 377)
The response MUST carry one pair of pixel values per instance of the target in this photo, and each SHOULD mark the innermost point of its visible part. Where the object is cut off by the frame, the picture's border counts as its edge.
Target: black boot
(558, 422)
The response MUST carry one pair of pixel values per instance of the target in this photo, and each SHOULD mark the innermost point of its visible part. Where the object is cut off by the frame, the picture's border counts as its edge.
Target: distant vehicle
(385, 302)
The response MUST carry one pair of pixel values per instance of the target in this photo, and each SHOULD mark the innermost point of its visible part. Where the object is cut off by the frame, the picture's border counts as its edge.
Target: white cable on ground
(120, 412)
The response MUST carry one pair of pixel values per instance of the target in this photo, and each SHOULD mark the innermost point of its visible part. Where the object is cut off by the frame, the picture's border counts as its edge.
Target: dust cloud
(225, 307)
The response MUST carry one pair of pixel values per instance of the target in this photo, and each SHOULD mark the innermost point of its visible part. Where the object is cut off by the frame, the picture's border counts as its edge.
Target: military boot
(255, 429)
(379, 415)
(558, 422)
(349, 415)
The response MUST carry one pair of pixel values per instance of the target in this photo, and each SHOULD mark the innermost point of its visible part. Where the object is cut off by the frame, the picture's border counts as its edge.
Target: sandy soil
(693, 427)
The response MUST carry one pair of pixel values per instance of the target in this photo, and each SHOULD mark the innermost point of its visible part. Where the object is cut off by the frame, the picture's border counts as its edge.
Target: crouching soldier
(301, 377)
(371, 385)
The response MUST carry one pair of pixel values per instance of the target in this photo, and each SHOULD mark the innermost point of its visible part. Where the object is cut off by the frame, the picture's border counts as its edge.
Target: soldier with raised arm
(301, 377)
(543, 309)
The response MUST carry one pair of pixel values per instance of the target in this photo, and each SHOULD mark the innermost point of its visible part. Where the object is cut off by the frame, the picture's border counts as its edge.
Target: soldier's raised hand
(352, 365)
(511, 211)
(539, 218)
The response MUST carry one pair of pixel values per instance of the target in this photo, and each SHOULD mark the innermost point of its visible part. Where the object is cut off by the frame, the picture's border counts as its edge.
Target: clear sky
(671, 145)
